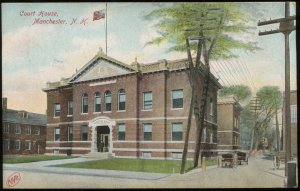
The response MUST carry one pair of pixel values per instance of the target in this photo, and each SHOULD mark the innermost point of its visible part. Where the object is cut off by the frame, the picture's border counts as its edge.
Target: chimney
(4, 104)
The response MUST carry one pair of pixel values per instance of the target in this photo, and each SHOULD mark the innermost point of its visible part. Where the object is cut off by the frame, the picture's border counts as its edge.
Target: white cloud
(17, 43)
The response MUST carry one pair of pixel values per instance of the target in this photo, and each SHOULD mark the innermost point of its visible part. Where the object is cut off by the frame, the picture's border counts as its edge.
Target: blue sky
(35, 54)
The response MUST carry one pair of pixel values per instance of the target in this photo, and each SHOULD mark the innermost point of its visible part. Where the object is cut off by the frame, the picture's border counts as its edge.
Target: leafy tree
(247, 122)
(175, 19)
(271, 101)
(218, 26)
(240, 92)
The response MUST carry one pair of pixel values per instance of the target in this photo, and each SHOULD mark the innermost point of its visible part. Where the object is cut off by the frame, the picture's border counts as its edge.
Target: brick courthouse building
(137, 110)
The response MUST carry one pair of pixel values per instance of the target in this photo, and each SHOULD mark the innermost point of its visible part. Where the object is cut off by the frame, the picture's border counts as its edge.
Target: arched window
(97, 102)
(121, 99)
(107, 100)
(84, 103)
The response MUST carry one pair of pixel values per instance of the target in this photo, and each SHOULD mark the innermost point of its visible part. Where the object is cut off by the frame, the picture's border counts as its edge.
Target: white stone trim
(68, 141)
(103, 83)
(101, 121)
(68, 148)
(150, 150)
(128, 119)
(154, 142)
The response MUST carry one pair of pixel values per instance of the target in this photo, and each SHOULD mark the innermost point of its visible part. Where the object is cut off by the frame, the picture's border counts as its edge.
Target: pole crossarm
(200, 29)
(260, 23)
(199, 38)
(290, 29)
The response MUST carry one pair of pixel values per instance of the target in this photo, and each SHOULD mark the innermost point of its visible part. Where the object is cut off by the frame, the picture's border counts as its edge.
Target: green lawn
(33, 158)
(141, 165)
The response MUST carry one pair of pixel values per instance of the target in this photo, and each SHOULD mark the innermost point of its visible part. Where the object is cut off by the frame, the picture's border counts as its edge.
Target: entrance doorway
(103, 138)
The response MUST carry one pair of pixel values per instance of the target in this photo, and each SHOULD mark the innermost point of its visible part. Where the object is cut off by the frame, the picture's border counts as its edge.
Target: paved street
(258, 174)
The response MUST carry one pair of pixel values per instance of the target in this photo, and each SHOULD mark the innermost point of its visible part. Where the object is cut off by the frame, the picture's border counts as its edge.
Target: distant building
(137, 110)
(293, 107)
(228, 123)
(22, 132)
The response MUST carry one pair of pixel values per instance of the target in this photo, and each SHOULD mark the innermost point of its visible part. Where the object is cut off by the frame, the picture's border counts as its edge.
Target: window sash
(28, 130)
(176, 136)
(147, 136)
(122, 100)
(6, 128)
(70, 107)
(17, 145)
(121, 128)
(56, 110)
(147, 100)
(37, 131)
(107, 100)
(85, 105)
(56, 134)
(84, 133)
(27, 145)
(17, 129)
(178, 103)
(121, 135)
(70, 133)
(147, 127)
(177, 94)
(177, 127)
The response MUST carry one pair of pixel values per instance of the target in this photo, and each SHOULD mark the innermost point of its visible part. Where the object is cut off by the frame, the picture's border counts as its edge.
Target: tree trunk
(192, 83)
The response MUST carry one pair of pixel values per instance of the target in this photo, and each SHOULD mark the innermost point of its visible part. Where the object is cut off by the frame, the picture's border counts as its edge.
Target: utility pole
(255, 105)
(286, 27)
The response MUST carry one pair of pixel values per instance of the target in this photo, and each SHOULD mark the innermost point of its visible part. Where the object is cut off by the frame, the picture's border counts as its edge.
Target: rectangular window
(147, 132)
(146, 154)
(56, 110)
(28, 130)
(56, 133)
(70, 133)
(177, 132)
(6, 128)
(177, 155)
(147, 100)
(6, 144)
(121, 132)
(17, 129)
(293, 113)
(70, 107)
(85, 106)
(122, 99)
(107, 100)
(83, 133)
(177, 98)
(37, 131)
(27, 145)
(97, 103)
(17, 144)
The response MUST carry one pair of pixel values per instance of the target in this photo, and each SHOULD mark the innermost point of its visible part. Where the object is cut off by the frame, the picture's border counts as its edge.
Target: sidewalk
(44, 167)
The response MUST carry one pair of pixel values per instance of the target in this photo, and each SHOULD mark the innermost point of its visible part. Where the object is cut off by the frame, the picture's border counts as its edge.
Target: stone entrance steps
(99, 155)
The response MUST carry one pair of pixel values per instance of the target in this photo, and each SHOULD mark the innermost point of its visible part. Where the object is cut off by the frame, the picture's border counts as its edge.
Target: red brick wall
(39, 139)
(160, 83)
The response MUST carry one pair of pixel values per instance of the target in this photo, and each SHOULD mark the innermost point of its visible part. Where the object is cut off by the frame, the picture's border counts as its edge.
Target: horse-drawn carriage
(232, 158)
(242, 157)
(228, 159)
